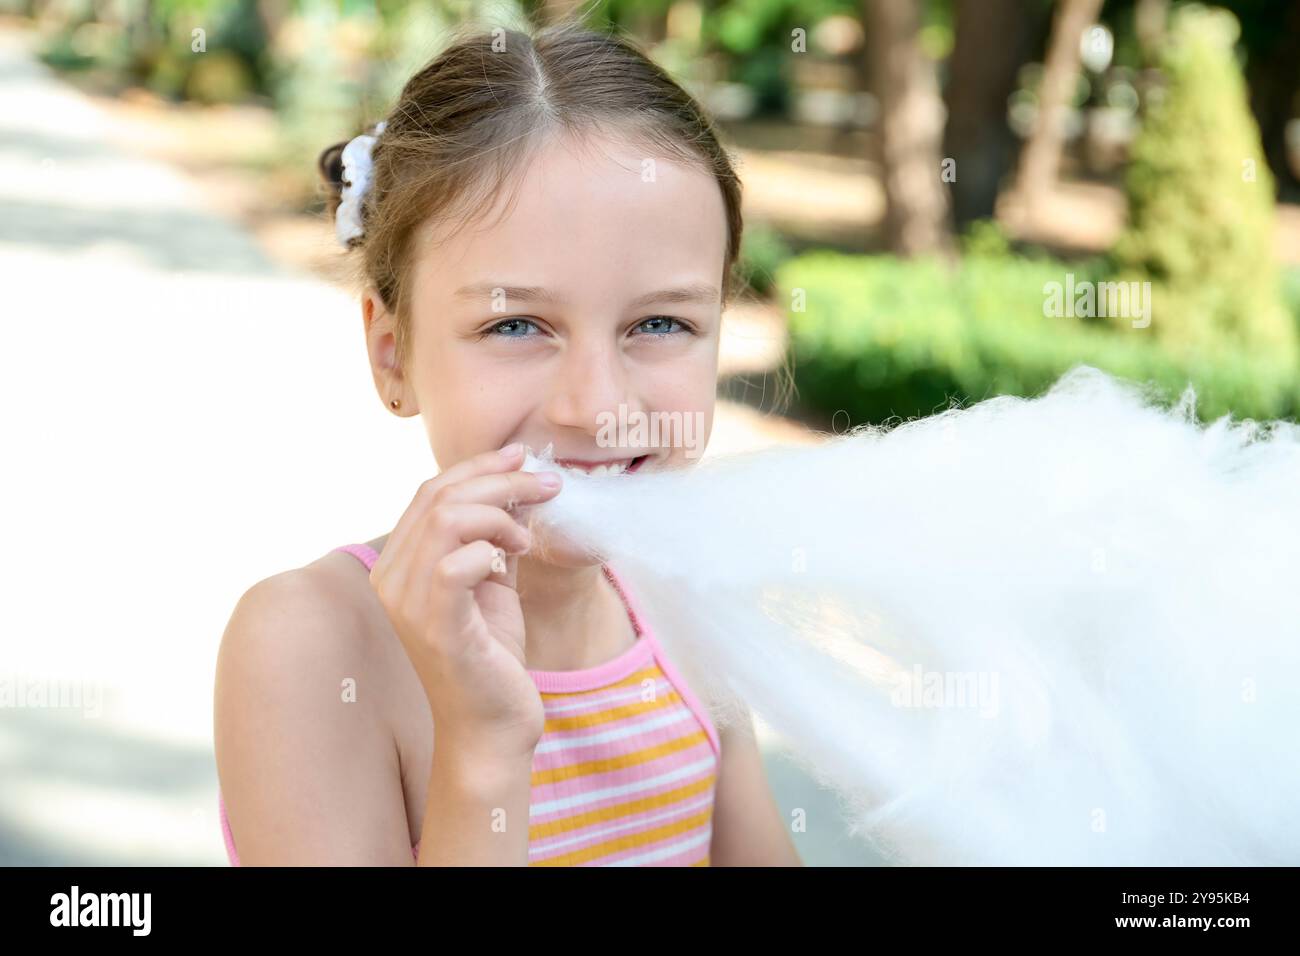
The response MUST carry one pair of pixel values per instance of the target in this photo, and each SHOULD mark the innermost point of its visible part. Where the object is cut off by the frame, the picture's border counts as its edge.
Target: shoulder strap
(362, 552)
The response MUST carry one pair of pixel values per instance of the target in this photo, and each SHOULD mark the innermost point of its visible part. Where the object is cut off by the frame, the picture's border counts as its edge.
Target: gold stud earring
(395, 404)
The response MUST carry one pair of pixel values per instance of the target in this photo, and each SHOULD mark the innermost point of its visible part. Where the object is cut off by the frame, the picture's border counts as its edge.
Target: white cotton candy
(1115, 585)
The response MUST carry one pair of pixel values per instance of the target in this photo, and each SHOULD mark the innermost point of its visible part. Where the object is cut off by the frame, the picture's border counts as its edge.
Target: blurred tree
(1201, 207)
(235, 63)
(994, 39)
(1150, 18)
(911, 130)
(1273, 74)
(1040, 159)
(315, 95)
(753, 38)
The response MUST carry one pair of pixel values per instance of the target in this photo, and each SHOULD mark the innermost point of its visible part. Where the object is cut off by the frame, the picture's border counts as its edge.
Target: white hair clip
(356, 180)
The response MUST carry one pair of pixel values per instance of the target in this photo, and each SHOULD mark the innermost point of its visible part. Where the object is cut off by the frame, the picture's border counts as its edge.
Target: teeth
(598, 470)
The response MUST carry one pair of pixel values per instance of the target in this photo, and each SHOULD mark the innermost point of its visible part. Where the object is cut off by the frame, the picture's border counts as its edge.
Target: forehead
(598, 212)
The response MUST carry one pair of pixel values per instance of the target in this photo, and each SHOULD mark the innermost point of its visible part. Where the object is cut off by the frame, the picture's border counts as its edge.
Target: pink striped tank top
(626, 769)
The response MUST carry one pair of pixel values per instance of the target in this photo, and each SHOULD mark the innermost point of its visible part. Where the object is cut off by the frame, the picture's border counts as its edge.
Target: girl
(544, 229)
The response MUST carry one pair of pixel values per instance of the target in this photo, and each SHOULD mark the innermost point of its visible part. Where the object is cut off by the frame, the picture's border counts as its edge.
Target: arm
(476, 813)
(309, 778)
(748, 829)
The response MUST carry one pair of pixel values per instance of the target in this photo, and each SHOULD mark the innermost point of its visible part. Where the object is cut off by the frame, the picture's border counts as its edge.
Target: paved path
(183, 418)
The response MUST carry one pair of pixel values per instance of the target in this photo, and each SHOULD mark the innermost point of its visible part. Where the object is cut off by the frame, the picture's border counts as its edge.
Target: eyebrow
(690, 293)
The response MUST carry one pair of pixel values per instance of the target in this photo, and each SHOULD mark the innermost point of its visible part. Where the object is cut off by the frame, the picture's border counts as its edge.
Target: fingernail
(549, 479)
(511, 450)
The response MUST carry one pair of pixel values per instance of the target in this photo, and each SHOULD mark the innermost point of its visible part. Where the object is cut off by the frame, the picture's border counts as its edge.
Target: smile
(612, 467)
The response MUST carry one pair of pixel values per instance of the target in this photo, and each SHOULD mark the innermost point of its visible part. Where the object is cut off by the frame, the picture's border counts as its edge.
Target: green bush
(878, 337)
(1291, 294)
(218, 76)
(762, 250)
(986, 238)
(1201, 224)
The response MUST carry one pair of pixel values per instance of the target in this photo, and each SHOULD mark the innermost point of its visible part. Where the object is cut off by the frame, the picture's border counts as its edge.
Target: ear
(381, 345)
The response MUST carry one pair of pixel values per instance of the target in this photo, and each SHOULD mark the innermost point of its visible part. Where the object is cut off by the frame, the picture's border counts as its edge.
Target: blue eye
(497, 330)
(667, 318)
(507, 322)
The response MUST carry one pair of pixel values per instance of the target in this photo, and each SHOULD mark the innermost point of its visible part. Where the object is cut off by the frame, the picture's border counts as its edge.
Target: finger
(425, 495)
(454, 525)
(504, 566)
(486, 462)
(453, 597)
(465, 568)
(389, 573)
(444, 530)
(505, 491)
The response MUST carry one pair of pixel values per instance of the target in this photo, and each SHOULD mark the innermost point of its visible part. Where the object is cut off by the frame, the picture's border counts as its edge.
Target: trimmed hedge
(880, 337)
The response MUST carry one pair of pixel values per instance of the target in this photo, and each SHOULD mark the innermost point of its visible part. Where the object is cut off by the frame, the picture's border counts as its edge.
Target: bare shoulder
(303, 738)
(304, 623)
(311, 602)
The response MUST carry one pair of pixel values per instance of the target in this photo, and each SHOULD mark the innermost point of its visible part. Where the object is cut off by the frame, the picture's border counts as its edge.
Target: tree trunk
(994, 37)
(1149, 19)
(1041, 159)
(1271, 76)
(911, 130)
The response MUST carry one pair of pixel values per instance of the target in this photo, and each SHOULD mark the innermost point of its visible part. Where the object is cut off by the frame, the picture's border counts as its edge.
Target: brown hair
(466, 121)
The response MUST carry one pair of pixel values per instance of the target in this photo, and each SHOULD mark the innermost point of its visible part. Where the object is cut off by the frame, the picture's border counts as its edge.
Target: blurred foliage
(338, 69)
(986, 238)
(764, 72)
(218, 77)
(1201, 217)
(225, 63)
(409, 35)
(884, 335)
(148, 41)
(755, 38)
(743, 27)
(628, 13)
(316, 95)
(879, 337)
(762, 250)
(207, 50)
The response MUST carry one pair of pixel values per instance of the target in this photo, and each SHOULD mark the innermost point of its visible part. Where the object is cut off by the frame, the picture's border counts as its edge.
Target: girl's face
(586, 317)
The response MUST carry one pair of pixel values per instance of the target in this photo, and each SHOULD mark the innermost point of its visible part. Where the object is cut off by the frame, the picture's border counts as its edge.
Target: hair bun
(330, 164)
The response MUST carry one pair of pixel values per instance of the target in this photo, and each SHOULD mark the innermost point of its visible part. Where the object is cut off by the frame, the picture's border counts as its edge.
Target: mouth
(615, 466)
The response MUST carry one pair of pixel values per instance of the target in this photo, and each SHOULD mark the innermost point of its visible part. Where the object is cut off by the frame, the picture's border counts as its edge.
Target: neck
(568, 613)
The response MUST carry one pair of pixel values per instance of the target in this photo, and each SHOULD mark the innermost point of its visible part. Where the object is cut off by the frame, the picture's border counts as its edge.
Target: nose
(592, 379)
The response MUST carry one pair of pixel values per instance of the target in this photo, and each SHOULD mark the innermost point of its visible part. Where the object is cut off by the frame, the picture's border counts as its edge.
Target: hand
(446, 579)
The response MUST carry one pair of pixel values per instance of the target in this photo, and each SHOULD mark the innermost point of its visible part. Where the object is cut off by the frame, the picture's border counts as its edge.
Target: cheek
(465, 388)
(471, 407)
(690, 388)
(689, 382)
